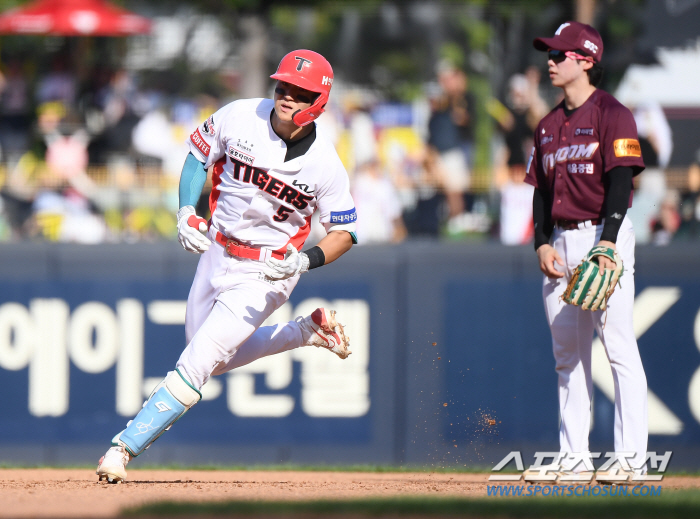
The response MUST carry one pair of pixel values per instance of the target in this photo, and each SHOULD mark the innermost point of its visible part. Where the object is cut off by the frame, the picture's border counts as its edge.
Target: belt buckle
(230, 245)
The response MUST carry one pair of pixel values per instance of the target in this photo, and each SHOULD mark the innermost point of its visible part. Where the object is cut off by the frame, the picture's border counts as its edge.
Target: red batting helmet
(309, 70)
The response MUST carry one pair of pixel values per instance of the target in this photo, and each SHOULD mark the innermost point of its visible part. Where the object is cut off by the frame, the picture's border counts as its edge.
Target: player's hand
(293, 263)
(603, 262)
(189, 230)
(547, 256)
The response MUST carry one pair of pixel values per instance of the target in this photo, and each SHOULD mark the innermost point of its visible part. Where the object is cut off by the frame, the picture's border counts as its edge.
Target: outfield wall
(452, 361)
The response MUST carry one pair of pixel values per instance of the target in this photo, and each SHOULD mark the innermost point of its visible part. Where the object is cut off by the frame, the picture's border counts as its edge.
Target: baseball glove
(590, 287)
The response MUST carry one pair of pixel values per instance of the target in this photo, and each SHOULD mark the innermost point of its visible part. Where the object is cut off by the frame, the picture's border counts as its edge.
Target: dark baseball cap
(574, 36)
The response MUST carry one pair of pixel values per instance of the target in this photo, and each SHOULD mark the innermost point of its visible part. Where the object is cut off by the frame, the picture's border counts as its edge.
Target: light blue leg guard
(167, 403)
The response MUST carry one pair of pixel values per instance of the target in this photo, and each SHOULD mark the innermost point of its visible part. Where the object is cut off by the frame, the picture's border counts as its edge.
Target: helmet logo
(302, 62)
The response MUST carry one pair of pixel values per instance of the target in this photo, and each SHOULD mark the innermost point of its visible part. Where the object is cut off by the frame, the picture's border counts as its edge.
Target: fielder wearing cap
(574, 36)
(585, 155)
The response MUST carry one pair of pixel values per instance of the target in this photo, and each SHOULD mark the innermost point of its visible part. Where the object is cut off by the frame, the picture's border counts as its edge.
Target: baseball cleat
(569, 477)
(112, 466)
(536, 476)
(326, 332)
(618, 477)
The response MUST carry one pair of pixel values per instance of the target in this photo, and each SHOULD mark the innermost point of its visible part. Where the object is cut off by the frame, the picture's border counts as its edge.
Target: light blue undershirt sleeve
(192, 181)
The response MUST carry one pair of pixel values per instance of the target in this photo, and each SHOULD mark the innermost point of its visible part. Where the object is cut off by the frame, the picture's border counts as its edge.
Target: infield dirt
(76, 493)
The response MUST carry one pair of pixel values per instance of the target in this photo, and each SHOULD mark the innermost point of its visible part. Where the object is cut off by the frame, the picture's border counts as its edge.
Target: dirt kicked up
(76, 493)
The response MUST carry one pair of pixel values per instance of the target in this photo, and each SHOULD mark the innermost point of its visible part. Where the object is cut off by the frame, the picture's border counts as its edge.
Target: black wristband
(316, 257)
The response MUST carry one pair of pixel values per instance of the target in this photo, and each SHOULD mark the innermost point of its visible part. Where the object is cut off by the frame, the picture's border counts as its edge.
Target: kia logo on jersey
(304, 187)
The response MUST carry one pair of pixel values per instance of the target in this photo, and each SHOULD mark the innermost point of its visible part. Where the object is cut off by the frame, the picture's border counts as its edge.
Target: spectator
(526, 111)
(378, 205)
(5, 229)
(539, 107)
(516, 227)
(65, 215)
(668, 220)
(455, 84)
(119, 114)
(445, 156)
(690, 206)
(648, 197)
(363, 141)
(518, 121)
(15, 112)
(655, 136)
(58, 85)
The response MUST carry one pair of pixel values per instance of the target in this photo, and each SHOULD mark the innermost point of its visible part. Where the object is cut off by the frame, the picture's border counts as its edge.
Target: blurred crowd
(99, 160)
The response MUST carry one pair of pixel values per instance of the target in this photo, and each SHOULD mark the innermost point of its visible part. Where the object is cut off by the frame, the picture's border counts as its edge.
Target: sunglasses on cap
(557, 56)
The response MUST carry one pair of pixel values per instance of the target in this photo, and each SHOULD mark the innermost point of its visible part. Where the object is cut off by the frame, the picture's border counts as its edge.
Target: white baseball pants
(572, 337)
(229, 299)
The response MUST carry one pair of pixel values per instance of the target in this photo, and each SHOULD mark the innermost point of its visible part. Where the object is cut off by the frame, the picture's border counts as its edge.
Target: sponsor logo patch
(546, 140)
(585, 168)
(568, 153)
(208, 126)
(344, 216)
(199, 141)
(583, 131)
(240, 156)
(627, 148)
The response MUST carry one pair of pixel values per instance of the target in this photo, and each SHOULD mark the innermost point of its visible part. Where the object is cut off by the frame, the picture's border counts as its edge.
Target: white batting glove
(189, 230)
(294, 262)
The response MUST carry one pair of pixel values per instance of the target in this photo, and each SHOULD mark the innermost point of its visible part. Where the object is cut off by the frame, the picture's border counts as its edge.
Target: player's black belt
(568, 225)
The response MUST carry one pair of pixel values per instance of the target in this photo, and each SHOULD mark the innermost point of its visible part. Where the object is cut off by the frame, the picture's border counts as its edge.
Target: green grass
(672, 504)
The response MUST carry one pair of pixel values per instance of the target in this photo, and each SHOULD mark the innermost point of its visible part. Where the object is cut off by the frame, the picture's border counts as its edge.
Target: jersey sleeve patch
(208, 126)
(627, 148)
(200, 143)
(344, 216)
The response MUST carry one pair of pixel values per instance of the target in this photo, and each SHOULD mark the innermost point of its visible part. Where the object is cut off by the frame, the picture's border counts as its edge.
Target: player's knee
(181, 389)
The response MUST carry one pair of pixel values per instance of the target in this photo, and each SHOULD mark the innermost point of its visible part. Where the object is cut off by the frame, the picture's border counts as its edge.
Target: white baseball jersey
(259, 199)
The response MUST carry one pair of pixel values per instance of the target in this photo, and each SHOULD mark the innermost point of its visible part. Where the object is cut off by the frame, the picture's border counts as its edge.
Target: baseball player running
(585, 155)
(270, 172)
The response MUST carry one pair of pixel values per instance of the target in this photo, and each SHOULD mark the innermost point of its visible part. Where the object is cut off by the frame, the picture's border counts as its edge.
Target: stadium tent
(72, 18)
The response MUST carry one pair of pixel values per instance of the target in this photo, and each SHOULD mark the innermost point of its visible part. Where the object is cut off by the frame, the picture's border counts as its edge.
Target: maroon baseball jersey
(572, 155)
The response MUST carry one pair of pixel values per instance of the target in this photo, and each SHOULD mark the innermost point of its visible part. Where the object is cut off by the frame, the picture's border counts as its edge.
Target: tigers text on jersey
(259, 199)
(572, 154)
